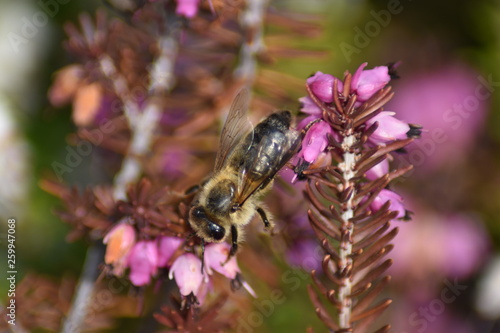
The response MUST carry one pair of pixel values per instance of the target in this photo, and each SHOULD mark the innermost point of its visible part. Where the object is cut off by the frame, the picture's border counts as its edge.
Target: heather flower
(186, 270)
(215, 258)
(389, 128)
(396, 202)
(119, 241)
(315, 141)
(349, 126)
(216, 255)
(309, 107)
(378, 170)
(187, 8)
(166, 248)
(365, 83)
(322, 86)
(143, 262)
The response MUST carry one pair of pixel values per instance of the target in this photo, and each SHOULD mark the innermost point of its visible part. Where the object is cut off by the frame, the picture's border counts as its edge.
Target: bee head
(204, 226)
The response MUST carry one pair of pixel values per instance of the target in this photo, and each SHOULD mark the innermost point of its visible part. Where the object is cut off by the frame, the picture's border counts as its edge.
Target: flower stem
(345, 250)
(85, 289)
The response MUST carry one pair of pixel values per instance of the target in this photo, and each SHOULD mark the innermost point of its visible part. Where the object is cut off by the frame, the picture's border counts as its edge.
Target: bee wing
(259, 160)
(235, 127)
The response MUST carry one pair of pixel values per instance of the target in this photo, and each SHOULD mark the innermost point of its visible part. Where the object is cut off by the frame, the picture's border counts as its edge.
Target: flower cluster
(381, 127)
(345, 157)
(145, 257)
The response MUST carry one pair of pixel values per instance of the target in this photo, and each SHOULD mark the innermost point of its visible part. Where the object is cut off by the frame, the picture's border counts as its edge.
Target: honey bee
(245, 166)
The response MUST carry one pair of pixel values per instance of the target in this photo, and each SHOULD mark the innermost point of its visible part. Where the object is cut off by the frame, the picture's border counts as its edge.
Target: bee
(246, 163)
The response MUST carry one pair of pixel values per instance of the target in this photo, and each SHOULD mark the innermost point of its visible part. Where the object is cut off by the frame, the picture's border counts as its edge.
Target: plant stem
(345, 249)
(143, 127)
(85, 289)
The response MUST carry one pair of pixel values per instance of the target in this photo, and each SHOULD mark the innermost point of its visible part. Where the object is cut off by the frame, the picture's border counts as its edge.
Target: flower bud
(166, 248)
(315, 141)
(143, 262)
(187, 273)
(396, 202)
(389, 128)
(322, 86)
(119, 241)
(365, 83)
(378, 170)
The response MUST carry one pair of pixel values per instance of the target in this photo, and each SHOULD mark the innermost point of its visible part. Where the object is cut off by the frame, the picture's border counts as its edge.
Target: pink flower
(143, 262)
(119, 241)
(396, 202)
(378, 170)
(187, 8)
(309, 107)
(365, 83)
(389, 128)
(215, 258)
(322, 86)
(186, 270)
(166, 248)
(315, 141)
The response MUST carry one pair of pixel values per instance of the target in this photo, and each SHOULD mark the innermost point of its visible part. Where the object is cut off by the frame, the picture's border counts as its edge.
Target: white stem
(144, 125)
(345, 251)
(252, 19)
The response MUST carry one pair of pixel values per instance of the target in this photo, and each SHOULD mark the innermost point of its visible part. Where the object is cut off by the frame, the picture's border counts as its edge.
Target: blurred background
(446, 275)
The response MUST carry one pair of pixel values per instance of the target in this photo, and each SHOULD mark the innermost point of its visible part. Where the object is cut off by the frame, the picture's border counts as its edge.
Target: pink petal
(143, 262)
(315, 141)
(378, 170)
(187, 8)
(187, 273)
(166, 248)
(396, 202)
(389, 128)
(322, 86)
(215, 258)
(367, 82)
(309, 107)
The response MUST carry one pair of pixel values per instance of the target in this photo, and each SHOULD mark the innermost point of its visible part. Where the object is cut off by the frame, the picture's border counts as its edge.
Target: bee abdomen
(263, 159)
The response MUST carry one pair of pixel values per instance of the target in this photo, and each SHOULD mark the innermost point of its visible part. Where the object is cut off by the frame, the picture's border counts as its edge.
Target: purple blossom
(216, 258)
(119, 241)
(315, 141)
(186, 270)
(187, 8)
(389, 128)
(322, 86)
(166, 248)
(143, 262)
(365, 83)
(309, 107)
(396, 202)
(378, 170)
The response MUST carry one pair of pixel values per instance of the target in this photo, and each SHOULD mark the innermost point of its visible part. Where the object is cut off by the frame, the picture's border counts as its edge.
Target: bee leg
(202, 255)
(192, 189)
(267, 224)
(234, 243)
